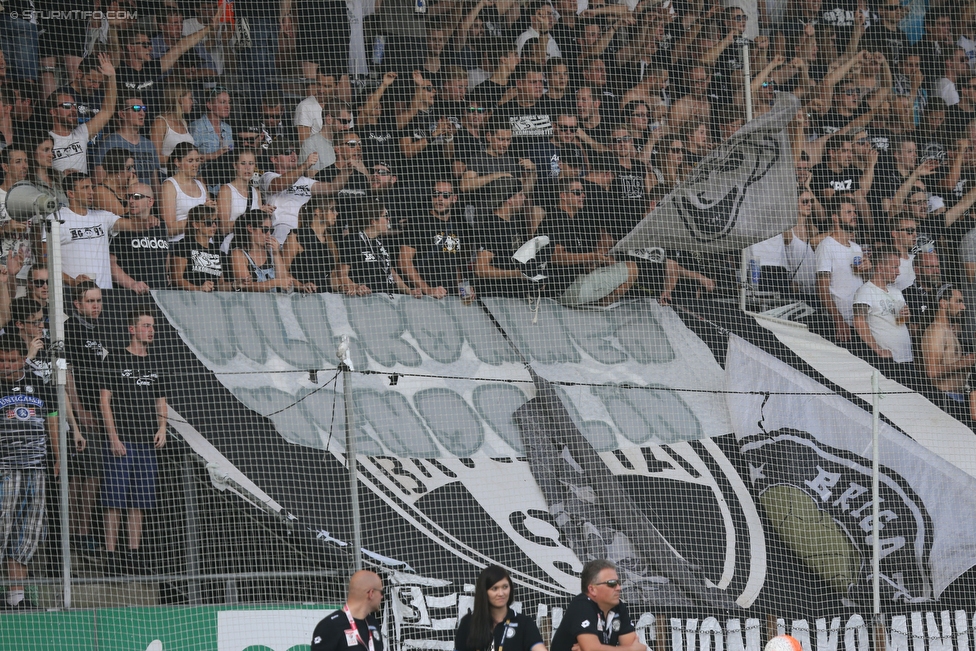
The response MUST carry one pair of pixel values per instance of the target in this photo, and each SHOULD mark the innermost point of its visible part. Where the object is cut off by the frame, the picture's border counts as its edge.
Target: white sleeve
(823, 259)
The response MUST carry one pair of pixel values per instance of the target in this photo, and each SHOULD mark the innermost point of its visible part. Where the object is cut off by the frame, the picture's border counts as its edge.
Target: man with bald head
(354, 627)
(139, 259)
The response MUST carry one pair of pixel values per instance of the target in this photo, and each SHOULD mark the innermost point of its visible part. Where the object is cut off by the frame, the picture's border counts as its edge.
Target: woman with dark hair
(492, 625)
(195, 263)
(256, 265)
(365, 265)
(120, 173)
(310, 252)
(182, 191)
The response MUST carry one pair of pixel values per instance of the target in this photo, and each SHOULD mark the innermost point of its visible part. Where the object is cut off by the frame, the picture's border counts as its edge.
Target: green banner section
(204, 628)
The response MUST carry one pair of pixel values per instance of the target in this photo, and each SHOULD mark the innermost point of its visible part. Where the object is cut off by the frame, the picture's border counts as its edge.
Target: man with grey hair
(596, 619)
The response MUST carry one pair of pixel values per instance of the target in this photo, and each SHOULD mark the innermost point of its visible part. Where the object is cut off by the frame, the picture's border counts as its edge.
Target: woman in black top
(195, 262)
(365, 264)
(310, 252)
(255, 263)
(492, 625)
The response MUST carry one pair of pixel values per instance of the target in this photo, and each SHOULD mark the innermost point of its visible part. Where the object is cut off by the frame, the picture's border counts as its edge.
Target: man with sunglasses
(140, 73)
(71, 138)
(139, 259)
(131, 115)
(354, 627)
(336, 120)
(437, 246)
(597, 619)
(85, 234)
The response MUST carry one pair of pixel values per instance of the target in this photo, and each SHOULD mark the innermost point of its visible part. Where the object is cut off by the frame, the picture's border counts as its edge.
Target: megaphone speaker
(25, 201)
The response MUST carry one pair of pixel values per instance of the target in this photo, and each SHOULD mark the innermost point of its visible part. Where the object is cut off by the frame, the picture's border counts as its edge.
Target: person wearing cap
(289, 186)
(597, 619)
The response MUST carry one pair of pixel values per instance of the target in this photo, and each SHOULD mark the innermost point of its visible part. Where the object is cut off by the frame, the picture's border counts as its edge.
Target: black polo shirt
(331, 633)
(584, 617)
(516, 633)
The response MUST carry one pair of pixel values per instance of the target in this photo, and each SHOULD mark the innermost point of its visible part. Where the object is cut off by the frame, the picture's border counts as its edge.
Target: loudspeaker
(24, 201)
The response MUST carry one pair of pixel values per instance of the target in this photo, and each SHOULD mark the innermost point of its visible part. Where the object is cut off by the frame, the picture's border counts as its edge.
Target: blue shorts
(129, 482)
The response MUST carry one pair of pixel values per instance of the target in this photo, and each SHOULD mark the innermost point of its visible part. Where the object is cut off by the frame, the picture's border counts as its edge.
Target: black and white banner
(736, 196)
(808, 454)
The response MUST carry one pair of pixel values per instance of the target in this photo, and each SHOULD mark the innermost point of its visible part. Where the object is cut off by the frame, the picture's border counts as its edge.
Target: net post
(346, 365)
(60, 369)
(747, 79)
(191, 522)
(875, 486)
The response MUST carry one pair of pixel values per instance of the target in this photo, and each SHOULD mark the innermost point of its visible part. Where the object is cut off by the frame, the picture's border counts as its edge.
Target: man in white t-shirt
(70, 138)
(336, 119)
(85, 234)
(881, 318)
(288, 188)
(308, 113)
(840, 263)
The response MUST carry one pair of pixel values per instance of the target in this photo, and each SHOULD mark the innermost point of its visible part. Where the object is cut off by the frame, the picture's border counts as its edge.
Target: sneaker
(24, 605)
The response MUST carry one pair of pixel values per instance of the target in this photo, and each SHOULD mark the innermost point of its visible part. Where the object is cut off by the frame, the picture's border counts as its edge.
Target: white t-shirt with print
(883, 308)
(84, 244)
(71, 151)
(287, 203)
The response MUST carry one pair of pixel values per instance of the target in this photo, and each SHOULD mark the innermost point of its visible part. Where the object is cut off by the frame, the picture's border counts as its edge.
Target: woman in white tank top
(177, 104)
(238, 196)
(181, 191)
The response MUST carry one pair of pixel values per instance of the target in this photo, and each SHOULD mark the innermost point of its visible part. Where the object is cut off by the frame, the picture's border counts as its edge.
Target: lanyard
(501, 647)
(352, 625)
(608, 627)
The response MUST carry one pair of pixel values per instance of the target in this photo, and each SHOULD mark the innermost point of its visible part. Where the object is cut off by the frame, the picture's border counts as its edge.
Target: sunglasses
(476, 109)
(565, 127)
(442, 195)
(217, 90)
(68, 105)
(137, 195)
(767, 84)
(623, 139)
(287, 152)
(909, 231)
(138, 108)
(850, 92)
(612, 583)
(383, 173)
(267, 230)
(577, 193)
(351, 143)
(130, 168)
(145, 44)
(805, 202)
(39, 282)
(677, 150)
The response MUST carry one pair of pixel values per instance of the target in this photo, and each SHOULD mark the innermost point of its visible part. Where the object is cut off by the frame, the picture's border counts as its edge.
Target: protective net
(681, 285)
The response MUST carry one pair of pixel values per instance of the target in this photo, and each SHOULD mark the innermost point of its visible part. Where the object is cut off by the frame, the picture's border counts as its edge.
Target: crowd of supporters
(433, 147)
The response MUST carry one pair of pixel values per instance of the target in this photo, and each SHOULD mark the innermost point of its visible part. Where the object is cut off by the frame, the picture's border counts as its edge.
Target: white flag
(741, 193)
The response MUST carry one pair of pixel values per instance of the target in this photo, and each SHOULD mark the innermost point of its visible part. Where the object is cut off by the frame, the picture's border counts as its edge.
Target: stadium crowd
(424, 146)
